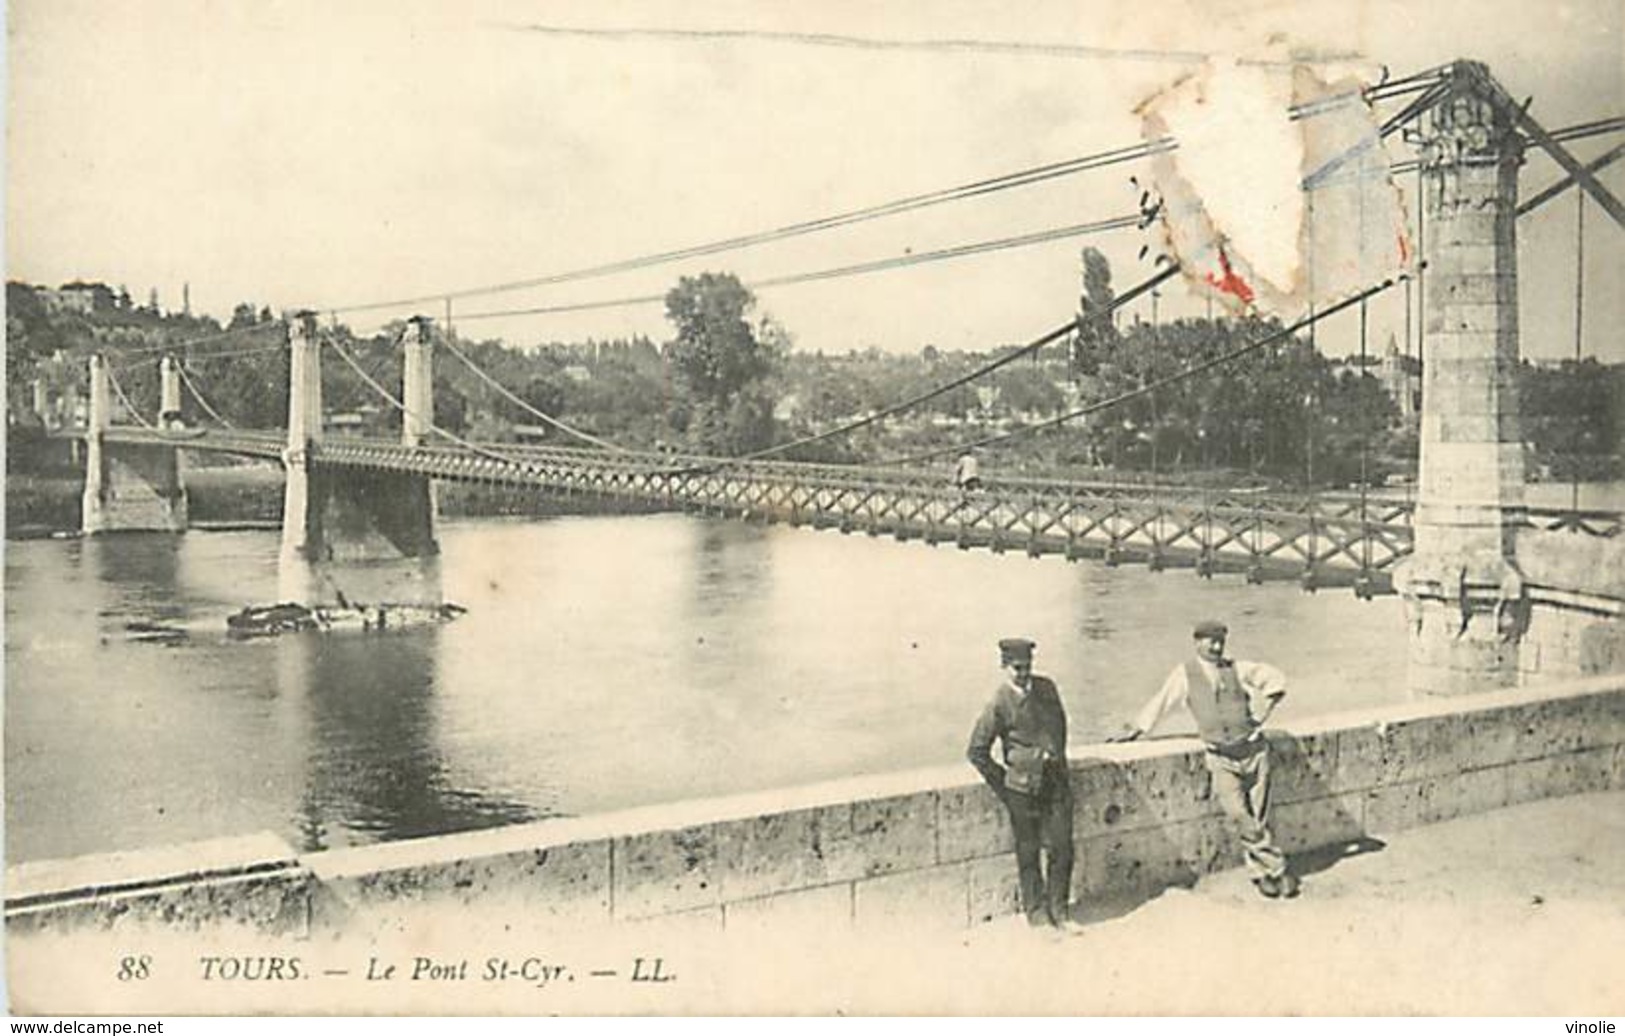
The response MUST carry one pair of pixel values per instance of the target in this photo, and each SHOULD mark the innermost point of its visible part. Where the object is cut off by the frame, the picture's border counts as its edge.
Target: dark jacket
(1031, 723)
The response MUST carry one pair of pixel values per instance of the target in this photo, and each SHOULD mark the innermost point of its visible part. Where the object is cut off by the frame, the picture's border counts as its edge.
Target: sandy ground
(1519, 912)
(1516, 912)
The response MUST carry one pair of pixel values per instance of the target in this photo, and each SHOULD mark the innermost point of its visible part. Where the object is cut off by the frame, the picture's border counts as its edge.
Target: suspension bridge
(1477, 566)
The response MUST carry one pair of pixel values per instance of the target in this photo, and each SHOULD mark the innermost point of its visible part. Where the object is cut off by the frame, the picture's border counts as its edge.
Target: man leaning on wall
(1230, 701)
(1026, 716)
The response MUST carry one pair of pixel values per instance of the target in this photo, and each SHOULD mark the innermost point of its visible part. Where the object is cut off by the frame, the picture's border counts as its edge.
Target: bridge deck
(1323, 539)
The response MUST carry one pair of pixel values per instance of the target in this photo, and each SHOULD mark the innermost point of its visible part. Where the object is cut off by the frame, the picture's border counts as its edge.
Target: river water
(604, 662)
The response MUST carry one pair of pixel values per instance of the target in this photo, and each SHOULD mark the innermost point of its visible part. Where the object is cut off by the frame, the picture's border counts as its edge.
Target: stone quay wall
(929, 847)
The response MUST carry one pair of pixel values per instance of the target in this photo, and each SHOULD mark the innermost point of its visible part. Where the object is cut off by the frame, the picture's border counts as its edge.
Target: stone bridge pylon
(368, 536)
(130, 487)
(1467, 585)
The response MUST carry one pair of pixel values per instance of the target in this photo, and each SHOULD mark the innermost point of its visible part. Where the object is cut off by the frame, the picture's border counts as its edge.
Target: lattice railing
(1329, 538)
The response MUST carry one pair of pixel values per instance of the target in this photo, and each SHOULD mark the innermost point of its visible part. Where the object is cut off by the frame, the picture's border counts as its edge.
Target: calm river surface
(603, 663)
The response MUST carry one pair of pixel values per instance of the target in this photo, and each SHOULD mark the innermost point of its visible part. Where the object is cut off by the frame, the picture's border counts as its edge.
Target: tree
(1097, 279)
(1026, 389)
(450, 408)
(242, 316)
(545, 394)
(723, 362)
(716, 352)
(1574, 415)
(30, 335)
(1096, 333)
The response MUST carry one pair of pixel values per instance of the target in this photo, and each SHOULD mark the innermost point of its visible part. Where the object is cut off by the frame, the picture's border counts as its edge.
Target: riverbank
(250, 497)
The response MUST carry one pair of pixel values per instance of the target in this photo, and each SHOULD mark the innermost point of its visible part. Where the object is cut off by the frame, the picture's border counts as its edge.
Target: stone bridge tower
(1463, 587)
(1491, 598)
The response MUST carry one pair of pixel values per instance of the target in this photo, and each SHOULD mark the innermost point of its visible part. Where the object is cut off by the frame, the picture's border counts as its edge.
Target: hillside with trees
(729, 380)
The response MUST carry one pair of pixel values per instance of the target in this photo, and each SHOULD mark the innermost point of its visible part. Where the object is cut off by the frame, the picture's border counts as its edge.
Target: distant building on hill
(68, 300)
(1401, 375)
(79, 297)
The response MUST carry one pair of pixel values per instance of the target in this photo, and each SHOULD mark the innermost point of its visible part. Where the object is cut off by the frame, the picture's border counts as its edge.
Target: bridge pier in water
(368, 535)
(128, 487)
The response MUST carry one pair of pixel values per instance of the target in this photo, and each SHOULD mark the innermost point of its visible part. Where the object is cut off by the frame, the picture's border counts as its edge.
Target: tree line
(728, 380)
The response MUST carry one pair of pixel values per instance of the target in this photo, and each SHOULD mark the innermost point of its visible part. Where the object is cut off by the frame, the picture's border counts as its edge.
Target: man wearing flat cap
(1230, 700)
(1027, 717)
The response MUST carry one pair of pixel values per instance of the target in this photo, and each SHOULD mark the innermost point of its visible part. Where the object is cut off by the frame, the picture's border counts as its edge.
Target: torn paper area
(1278, 197)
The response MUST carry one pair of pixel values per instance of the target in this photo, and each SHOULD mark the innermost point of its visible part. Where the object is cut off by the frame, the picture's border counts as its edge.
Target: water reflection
(376, 768)
(603, 663)
(140, 571)
(727, 568)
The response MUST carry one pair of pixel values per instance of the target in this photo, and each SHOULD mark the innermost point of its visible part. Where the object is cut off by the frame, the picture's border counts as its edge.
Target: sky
(336, 155)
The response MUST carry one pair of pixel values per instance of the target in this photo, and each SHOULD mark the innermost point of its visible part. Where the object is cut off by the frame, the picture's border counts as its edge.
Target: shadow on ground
(1314, 861)
(1167, 848)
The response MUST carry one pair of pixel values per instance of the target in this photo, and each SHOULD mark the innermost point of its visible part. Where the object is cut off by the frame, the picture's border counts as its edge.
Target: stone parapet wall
(928, 847)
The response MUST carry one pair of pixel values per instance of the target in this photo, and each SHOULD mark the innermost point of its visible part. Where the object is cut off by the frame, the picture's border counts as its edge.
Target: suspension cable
(198, 395)
(873, 266)
(547, 419)
(1132, 394)
(129, 407)
(1031, 347)
(400, 406)
(1026, 350)
(1021, 178)
(233, 354)
(148, 350)
(223, 354)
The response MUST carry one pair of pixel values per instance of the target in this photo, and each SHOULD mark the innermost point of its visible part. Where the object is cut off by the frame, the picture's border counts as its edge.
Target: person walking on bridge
(1027, 717)
(968, 473)
(1230, 701)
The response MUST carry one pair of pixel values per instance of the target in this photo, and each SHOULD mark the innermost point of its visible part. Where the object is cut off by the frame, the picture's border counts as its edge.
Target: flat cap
(1211, 628)
(1015, 648)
